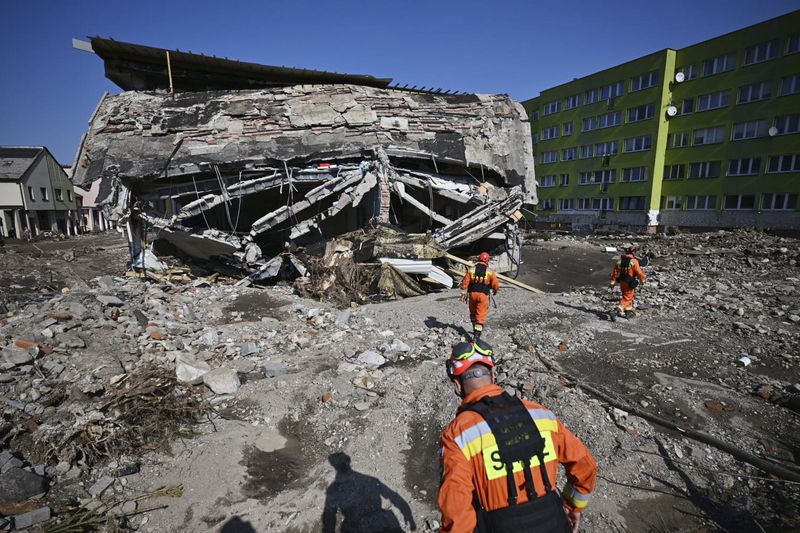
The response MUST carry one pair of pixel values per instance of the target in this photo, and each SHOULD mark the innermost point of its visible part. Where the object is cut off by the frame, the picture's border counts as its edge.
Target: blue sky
(48, 90)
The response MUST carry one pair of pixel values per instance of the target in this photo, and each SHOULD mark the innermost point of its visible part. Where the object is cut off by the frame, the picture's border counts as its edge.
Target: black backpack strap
(518, 439)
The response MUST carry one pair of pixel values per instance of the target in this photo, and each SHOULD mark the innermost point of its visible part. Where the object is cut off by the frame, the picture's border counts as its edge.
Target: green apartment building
(705, 136)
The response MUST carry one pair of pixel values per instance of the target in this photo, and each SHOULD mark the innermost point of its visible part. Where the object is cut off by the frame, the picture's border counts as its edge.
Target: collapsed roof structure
(226, 170)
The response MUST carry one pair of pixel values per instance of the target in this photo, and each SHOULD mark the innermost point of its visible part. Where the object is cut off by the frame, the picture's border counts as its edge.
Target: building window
(572, 101)
(634, 174)
(59, 195)
(30, 194)
(602, 121)
(631, 203)
(551, 107)
(566, 204)
(547, 204)
(645, 81)
(748, 130)
(602, 204)
(784, 163)
(697, 203)
(587, 151)
(43, 193)
(592, 177)
(606, 148)
(736, 202)
(637, 144)
(550, 133)
(793, 44)
(567, 128)
(714, 100)
(678, 140)
(708, 135)
(536, 115)
(719, 64)
(687, 106)
(642, 112)
(605, 93)
(549, 157)
(788, 124)
(673, 172)
(535, 138)
(548, 181)
(779, 201)
(689, 71)
(705, 169)
(754, 92)
(569, 154)
(69, 195)
(790, 85)
(748, 166)
(670, 202)
(584, 204)
(564, 180)
(761, 52)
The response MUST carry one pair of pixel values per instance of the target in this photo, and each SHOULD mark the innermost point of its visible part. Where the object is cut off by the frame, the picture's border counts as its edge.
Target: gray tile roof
(15, 160)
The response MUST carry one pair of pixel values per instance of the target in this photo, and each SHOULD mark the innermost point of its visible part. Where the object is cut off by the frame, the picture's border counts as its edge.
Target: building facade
(704, 136)
(35, 193)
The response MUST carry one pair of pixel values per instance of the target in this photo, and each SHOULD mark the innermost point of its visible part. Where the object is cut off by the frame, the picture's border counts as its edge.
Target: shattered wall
(308, 162)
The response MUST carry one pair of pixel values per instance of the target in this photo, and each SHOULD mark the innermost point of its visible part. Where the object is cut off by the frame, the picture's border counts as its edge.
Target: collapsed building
(241, 162)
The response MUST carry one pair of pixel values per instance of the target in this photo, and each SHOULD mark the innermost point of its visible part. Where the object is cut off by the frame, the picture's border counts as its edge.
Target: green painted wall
(666, 93)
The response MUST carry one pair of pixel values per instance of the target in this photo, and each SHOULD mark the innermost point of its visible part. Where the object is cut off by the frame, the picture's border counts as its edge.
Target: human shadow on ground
(732, 516)
(602, 315)
(237, 525)
(358, 498)
(433, 322)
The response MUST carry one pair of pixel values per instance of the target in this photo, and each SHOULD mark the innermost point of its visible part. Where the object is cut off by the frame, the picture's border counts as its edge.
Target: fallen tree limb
(746, 457)
(512, 281)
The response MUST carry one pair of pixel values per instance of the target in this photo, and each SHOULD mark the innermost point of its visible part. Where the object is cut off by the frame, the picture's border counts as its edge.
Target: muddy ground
(274, 456)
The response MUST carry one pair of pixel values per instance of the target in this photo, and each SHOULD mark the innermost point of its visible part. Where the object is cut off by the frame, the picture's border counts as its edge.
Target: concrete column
(90, 218)
(103, 222)
(68, 223)
(4, 221)
(17, 224)
(51, 219)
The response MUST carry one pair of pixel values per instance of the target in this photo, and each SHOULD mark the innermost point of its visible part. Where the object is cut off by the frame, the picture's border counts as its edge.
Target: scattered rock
(109, 300)
(17, 484)
(189, 370)
(273, 369)
(248, 348)
(100, 486)
(371, 358)
(26, 520)
(399, 346)
(17, 356)
(222, 381)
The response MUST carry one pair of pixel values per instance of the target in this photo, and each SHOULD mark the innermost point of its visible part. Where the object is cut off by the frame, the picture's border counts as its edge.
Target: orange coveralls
(467, 445)
(626, 302)
(478, 301)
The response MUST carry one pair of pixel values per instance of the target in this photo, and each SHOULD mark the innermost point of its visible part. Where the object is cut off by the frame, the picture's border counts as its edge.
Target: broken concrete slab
(222, 381)
(26, 520)
(17, 485)
(189, 370)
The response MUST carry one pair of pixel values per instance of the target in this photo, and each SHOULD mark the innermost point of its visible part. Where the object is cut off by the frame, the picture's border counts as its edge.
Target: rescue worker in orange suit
(629, 274)
(500, 457)
(475, 288)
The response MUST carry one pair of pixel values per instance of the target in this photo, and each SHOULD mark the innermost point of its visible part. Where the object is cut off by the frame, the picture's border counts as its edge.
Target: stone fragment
(222, 381)
(100, 486)
(17, 484)
(61, 316)
(343, 317)
(109, 300)
(189, 370)
(362, 406)
(209, 338)
(371, 359)
(16, 356)
(25, 344)
(273, 369)
(399, 346)
(248, 348)
(25, 520)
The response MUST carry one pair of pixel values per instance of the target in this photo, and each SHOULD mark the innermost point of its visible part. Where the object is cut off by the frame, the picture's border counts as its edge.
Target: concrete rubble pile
(241, 176)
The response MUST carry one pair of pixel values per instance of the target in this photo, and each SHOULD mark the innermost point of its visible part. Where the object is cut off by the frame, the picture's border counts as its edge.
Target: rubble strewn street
(201, 405)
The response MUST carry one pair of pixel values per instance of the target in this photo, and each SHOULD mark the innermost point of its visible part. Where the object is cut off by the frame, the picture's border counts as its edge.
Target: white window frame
(755, 92)
(789, 85)
(586, 151)
(739, 198)
(606, 148)
(719, 64)
(59, 194)
(668, 172)
(713, 135)
(551, 107)
(682, 109)
(566, 204)
(758, 53)
(678, 139)
(774, 197)
(548, 180)
(567, 152)
(694, 203)
(647, 111)
(788, 124)
(551, 132)
(672, 203)
(548, 204)
(567, 129)
(792, 44)
(573, 101)
(689, 71)
(31, 194)
(644, 81)
(626, 200)
(595, 177)
(715, 100)
(705, 169)
(43, 193)
(793, 163)
(549, 157)
(634, 174)
(753, 129)
(641, 143)
(746, 166)
(564, 180)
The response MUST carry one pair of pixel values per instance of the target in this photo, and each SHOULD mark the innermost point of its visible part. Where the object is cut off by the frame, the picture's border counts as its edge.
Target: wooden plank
(512, 281)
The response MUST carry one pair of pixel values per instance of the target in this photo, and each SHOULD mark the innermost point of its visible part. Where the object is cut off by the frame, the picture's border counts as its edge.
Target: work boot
(476, 336)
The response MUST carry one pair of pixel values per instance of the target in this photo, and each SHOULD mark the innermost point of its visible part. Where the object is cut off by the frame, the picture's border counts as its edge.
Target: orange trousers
(478, 307)
(626, 302)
